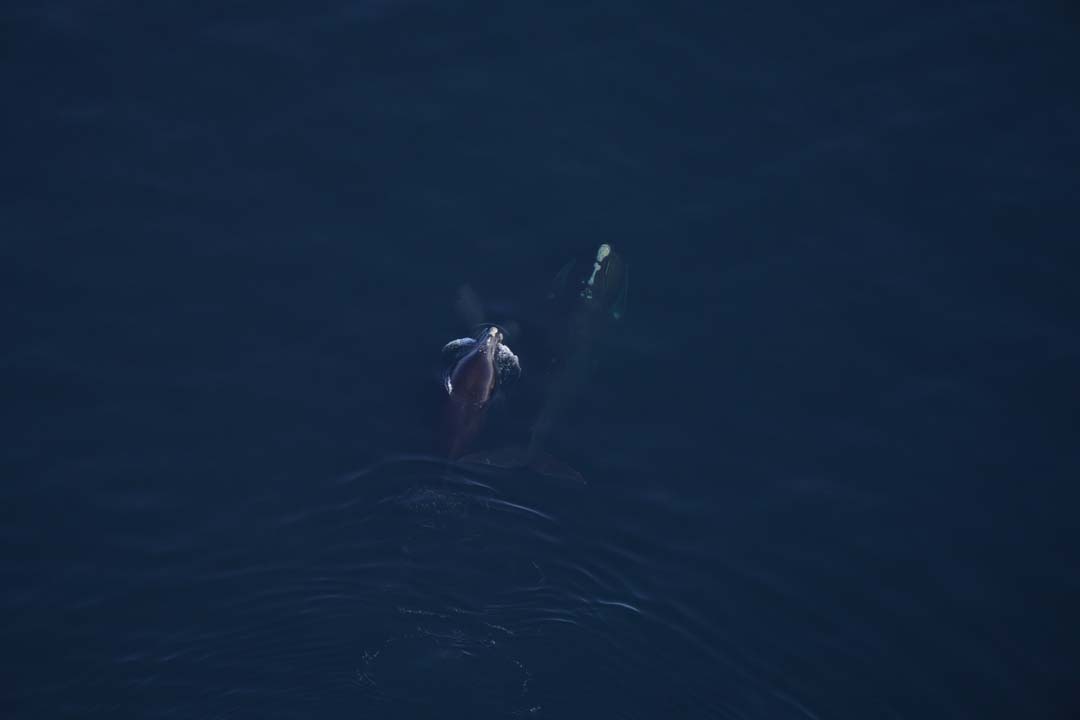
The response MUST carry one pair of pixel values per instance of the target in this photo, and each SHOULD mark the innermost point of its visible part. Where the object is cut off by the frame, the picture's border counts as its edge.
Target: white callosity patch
(507, 363)
(601, 254)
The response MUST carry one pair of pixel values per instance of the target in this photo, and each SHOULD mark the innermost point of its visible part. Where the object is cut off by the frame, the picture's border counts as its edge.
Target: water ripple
(416, 585)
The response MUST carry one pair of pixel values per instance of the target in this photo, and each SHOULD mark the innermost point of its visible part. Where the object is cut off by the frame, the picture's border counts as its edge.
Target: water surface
(829, 453)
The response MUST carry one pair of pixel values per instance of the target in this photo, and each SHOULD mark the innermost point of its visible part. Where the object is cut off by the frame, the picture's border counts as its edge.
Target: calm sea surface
(829, 453)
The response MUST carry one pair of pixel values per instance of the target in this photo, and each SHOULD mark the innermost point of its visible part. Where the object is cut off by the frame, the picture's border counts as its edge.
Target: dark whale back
(474, 376)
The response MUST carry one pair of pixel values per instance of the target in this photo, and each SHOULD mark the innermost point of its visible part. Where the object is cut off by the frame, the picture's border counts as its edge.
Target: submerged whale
(588, 296)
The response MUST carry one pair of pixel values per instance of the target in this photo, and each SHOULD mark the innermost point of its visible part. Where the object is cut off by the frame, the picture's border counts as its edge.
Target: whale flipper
(456, 348)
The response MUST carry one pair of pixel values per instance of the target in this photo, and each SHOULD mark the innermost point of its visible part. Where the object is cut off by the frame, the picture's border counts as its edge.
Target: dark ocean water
(830, 452)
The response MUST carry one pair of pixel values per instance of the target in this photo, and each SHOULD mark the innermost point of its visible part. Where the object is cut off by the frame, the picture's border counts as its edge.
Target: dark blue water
(830, 452)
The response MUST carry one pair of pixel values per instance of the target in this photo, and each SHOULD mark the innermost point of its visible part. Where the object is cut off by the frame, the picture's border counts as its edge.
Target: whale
(475, 369)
